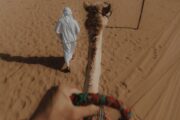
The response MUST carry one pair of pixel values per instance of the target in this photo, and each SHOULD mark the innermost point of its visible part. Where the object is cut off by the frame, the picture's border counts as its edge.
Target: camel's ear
(106, 11)
(86, 6)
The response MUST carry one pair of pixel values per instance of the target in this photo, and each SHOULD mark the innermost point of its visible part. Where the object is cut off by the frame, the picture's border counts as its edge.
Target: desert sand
(141, 66)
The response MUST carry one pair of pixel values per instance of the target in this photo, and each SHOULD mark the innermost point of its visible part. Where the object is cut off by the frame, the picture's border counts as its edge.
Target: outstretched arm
(58, 106)
(63, 109)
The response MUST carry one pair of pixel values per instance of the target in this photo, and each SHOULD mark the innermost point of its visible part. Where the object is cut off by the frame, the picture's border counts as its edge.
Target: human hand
(63, 109)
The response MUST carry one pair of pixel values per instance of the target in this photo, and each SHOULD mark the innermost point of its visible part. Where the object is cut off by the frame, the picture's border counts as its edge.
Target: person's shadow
(50, 61)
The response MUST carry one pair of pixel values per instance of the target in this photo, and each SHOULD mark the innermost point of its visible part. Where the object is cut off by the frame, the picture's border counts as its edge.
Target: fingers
(82, 112)
(74, 90)
(107, 116)
(68, 91)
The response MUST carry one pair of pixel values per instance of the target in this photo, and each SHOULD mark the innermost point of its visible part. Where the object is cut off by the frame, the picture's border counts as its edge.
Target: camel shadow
(50, 61)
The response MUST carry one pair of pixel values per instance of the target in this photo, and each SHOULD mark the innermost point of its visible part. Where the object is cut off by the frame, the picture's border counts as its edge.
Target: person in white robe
(67, 29)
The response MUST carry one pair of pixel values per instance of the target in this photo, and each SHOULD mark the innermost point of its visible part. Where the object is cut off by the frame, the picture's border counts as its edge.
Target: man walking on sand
(68, 29)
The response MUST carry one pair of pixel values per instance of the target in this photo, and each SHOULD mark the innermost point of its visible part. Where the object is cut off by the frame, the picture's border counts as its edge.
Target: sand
(141, 67)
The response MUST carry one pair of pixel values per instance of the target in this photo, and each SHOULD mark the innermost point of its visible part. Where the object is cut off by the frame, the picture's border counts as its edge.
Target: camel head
(97, 16)
(103, 9)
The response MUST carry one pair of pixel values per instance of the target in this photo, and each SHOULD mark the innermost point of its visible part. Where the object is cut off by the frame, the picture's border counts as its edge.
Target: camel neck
(93, 70)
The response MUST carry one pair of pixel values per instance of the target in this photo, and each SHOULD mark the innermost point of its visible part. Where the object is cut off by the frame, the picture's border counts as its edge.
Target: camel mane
(93, 25)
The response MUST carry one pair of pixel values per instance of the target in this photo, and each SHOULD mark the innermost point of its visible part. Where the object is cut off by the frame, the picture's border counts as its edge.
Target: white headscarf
(67, 11)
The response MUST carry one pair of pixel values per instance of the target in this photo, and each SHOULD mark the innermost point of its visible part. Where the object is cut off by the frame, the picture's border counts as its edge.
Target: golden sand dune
(139, 66)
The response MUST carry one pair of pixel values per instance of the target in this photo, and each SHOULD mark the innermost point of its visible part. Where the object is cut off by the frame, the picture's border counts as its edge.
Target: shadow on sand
(45, 102)
(50, 61)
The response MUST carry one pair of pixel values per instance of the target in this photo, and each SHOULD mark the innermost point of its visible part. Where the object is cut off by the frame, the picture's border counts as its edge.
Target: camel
(97, 19)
